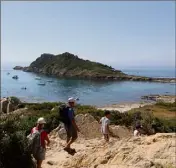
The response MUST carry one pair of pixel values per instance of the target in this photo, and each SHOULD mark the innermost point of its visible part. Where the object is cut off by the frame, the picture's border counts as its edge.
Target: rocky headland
(70, 65)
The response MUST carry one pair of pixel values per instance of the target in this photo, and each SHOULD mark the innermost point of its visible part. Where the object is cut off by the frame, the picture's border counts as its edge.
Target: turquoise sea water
(89, 92)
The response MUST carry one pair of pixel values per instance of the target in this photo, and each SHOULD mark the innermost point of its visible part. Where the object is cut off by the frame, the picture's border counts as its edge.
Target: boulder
(18, 68)
(120, 131)
(62, 133)
(89, 127)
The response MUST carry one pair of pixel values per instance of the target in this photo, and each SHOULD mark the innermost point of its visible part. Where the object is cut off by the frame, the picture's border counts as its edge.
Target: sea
(88, 92)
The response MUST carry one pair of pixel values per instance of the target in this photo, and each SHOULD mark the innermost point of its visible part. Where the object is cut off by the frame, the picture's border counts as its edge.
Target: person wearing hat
(71, 128)
(40, 153)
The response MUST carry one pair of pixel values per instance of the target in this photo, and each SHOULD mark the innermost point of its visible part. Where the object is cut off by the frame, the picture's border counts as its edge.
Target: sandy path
(139, 152)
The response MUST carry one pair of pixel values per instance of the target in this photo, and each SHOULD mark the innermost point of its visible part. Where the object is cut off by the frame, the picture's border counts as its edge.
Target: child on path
(105, 125)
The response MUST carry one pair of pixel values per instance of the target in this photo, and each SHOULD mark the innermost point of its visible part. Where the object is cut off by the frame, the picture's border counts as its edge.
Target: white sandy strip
(124, 107)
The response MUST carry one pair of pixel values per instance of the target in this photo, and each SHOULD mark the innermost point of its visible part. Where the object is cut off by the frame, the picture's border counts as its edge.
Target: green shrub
(164, 104)
(15, 100)
(13, 145)
(41, 106)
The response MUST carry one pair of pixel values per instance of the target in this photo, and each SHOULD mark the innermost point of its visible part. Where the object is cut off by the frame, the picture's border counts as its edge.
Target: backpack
(34, 141)
(63, 114)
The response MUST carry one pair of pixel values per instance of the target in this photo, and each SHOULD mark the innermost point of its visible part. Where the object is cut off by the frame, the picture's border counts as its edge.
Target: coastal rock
(142, 152)
(160, 98)
(90, 128)
(120, 131)
(62, 133)
(18, 68)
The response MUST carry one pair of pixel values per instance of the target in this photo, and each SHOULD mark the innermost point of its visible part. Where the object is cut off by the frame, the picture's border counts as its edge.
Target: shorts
(71, 132)
(40, 154)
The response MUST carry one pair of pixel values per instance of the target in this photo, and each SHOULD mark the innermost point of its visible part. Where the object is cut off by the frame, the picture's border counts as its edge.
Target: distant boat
(50, 81)
(15, 77)
(42, 84)
(8, 73)
(37, 78)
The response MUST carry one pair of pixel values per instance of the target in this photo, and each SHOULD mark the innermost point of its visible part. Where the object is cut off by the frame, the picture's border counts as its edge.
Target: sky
(121, 34)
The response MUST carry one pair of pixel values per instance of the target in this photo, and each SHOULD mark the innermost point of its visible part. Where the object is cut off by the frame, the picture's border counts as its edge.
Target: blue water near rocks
(151, 72)
(89, 92)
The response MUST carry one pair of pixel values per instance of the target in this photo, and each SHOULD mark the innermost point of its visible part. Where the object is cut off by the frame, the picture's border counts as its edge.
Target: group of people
(72, 132)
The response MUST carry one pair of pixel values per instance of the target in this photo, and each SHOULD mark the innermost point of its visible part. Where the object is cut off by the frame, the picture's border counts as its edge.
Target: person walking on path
(105, 121)
(70, 126)
(39, 141)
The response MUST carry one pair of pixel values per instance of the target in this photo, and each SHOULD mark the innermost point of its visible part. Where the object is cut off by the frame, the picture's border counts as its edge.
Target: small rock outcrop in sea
(70, 65)
(160, 98)
(18, 68)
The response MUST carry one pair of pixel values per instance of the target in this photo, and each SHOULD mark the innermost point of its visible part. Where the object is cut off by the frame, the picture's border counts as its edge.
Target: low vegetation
(13, 129)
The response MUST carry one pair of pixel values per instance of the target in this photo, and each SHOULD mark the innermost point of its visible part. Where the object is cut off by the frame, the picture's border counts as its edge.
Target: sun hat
(71, 100)
(41, 120)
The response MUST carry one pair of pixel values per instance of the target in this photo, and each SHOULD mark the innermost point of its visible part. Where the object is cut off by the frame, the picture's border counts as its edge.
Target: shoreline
(102, 77)
(124, 107)
(145, 100)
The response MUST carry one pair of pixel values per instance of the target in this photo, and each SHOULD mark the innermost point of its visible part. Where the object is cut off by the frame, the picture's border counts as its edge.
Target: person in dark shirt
(71, 128)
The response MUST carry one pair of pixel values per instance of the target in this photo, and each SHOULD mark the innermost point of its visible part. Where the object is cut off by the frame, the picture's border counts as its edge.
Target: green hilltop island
(70, 65)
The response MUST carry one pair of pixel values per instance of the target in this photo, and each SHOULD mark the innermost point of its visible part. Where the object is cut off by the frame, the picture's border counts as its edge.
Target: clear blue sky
(122, 34)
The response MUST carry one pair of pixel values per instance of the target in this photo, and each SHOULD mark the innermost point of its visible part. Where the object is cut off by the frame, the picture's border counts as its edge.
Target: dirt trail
(143, 152)
(157, 151)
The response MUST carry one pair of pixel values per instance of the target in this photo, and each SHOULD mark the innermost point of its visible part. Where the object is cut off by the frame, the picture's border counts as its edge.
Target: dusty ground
(126, 151)
(144, 152)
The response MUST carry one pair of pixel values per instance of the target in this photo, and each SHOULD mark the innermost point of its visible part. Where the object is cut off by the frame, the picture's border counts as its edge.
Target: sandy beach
(124, 107)
(149, 100)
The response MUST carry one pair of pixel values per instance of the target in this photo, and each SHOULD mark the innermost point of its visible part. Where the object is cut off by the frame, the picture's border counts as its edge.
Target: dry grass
(159, 111)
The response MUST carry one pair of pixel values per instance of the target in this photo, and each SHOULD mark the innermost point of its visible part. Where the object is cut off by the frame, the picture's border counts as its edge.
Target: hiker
(39, 146)
(105, 125)
(137, 130)
(70, 125)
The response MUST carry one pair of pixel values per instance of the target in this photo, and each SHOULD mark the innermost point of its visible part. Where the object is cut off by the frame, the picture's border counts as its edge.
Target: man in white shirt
(105, 125)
